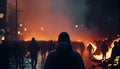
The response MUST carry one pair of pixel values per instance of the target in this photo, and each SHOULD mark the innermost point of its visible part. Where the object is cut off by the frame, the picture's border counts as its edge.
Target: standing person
(4, 55)
(16, 51)
(64, 57)
(43, 50)
(34, 50)
(90, 49)
(115, 53)
(104, 50)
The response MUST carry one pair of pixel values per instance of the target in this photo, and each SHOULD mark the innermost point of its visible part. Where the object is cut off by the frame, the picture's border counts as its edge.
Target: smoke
(45, 19)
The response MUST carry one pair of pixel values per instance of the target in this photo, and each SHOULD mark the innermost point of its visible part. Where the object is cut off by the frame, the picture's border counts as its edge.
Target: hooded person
(64, 57)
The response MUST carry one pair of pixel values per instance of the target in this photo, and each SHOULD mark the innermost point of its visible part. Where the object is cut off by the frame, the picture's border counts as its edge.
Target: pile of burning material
(111, 61)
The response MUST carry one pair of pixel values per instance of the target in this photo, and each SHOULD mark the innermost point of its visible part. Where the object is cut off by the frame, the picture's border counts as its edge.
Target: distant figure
(4, 55)
(64, 57)
(104, 50)
(115, 51)
(90, 48)
(43, 50)
(34, 50)
(114, 56)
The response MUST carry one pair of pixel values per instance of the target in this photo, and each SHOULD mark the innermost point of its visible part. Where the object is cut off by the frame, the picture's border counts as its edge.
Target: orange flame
(108, 54)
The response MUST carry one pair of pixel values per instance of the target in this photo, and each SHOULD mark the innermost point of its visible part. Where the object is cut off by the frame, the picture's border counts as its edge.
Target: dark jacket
(64, 58)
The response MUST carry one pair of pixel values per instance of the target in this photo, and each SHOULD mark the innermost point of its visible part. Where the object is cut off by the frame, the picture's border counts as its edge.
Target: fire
(108, 54)
(99, 57)
(112, 45)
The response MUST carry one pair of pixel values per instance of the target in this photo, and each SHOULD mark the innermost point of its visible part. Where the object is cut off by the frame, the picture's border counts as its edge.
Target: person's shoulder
(76, 54)
(53, 52)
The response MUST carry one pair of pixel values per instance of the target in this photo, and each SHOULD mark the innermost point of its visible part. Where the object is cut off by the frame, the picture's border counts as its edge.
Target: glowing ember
(42, 29)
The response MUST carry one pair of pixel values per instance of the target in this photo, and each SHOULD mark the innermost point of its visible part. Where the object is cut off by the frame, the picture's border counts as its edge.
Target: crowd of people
(62, 54)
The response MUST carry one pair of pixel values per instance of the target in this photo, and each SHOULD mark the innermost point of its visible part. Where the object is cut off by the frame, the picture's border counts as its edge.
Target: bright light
(25, 29)
(98, 57)
(3, 38)
(76, 26)
(21, 25)
(19, 32)
(42, 29)
(1, 15)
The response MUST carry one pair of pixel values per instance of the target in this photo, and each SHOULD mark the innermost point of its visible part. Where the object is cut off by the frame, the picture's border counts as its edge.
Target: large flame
(108, 54)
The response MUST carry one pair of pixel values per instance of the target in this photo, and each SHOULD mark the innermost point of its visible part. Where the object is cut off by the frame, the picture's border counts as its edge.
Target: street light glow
(25, 29)
(21, 25)
(76, 26)
(18, 32)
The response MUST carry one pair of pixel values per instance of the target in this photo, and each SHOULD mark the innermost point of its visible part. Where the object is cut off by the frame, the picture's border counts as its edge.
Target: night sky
(82, 19)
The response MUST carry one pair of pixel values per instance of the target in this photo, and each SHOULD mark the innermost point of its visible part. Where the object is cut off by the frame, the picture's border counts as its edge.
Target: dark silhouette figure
(18, 54)
(43, 50)
(119, 47)
(115, 50)
(115, 53)
(64, 57)
(51, 46)
(34, 50)
(90, 48)
(21, 55)
(104, 50)
(4, 55)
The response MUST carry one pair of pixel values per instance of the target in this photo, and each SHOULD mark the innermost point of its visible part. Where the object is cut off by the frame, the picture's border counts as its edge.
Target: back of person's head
(89, 45)
(33, 39)
(63, 37)
(64, 45)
